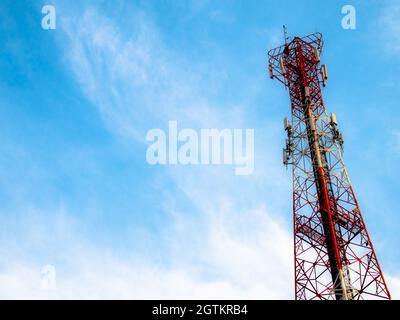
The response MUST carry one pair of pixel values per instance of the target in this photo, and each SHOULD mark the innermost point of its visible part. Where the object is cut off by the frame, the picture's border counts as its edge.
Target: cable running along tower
(334, 256)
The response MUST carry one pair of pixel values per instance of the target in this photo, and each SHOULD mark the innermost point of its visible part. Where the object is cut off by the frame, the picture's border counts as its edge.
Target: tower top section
(280, 56)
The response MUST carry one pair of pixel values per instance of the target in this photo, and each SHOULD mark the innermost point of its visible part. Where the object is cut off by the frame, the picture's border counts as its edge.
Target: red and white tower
(334, 256)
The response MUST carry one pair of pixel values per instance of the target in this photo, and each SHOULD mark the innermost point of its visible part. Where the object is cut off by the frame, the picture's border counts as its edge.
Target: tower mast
(334, 256)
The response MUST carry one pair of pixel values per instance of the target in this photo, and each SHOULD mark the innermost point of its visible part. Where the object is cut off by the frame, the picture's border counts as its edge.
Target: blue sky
(76, 103)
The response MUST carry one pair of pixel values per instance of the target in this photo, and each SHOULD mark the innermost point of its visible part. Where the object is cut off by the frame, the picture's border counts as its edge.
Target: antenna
(285, 35)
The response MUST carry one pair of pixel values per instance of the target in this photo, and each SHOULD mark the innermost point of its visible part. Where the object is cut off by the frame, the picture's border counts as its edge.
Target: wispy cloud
(394, 286)
(224, 238)
(227, 242)
(225, 261)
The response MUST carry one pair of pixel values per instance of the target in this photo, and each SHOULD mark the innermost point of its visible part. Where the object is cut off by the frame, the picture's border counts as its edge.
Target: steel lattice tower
(334, 256)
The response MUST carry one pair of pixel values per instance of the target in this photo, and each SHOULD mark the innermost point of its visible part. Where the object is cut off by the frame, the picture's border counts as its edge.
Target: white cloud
(226, 245)
(393, 283)
(225, 262)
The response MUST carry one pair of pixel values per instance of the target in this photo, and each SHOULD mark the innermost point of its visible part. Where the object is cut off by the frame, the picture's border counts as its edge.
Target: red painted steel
(334, 256)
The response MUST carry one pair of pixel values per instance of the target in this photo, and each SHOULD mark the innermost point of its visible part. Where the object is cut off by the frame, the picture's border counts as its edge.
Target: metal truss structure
(334, 255)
